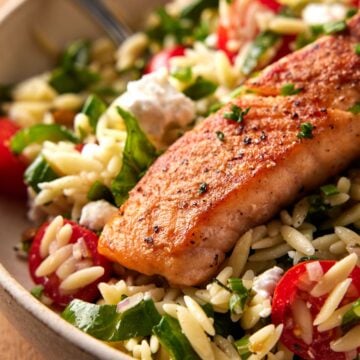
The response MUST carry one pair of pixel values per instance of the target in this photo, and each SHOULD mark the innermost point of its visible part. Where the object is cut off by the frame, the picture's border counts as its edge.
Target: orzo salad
(75, 140)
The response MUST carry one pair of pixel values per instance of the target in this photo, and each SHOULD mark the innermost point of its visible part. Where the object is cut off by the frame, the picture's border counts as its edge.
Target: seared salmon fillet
(203, 193)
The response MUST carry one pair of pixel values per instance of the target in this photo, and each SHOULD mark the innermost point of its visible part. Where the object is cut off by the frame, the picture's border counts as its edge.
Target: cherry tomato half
(271, 4)
(10, 165)
(52, 282)
(162, 59)
(286, 291)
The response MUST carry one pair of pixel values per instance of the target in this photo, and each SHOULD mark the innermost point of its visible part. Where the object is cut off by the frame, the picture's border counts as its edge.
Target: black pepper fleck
(263, 136)
(149, 240)
(156, 229)
(247, 140)
(203, 188)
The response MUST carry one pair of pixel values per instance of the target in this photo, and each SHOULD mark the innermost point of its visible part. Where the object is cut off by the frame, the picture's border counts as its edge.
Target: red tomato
(162, 58)
(51, 283)
(12, 184)
(237, 23)
(271, 4)
(287, 291)
(222, 40)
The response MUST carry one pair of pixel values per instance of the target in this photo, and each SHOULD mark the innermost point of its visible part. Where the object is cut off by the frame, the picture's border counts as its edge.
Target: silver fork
(117, 31)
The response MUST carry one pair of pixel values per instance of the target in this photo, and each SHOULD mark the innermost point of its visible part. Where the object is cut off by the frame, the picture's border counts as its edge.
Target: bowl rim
(35, 308)
(54, 322)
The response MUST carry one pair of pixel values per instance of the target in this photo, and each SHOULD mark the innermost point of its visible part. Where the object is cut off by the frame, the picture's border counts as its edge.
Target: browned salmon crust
(202, 194)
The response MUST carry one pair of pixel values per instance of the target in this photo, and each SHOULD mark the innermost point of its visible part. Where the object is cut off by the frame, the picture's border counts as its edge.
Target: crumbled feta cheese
(95, 214)
(316, 14)
(157, 105)
(265, 283)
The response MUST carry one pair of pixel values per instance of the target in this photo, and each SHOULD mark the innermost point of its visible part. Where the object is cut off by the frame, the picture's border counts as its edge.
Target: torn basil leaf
(38, 172)
(104, 322)
(138, 155)
(200, 88)
(94, 107)
(169, 333)
(39, 133)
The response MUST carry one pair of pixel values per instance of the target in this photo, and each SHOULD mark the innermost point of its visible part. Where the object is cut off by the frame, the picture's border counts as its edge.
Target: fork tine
(115, 30)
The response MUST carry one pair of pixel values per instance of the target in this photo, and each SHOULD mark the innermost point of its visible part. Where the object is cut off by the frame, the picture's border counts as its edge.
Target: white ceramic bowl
(21, 57)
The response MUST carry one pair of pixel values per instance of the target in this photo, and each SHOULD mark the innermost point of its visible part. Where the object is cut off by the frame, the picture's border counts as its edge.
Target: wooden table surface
(13, 346)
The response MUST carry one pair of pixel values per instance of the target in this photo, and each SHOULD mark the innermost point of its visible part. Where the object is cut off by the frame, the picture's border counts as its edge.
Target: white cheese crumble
(265, 283)
(95, 214)
(316, 14)
(157, 105)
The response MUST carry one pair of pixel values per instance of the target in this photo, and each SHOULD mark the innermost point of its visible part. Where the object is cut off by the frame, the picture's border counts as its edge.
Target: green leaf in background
(195, 8)
(169, 333)
(94, 107)
(138, 155)
(104, 322)
(39, 133)
(38, 172)
(200, 89)
(76, 54)
(263, 42)
(73, 74)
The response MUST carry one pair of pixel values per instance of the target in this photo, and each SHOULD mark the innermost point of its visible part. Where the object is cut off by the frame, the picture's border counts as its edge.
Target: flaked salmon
(198, 198)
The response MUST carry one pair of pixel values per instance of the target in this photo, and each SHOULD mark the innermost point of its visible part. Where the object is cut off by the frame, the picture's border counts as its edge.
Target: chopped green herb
(353, 314)
(357, 49)
(236, 113)
(258, 49)
(169, 333)
(242, 347)
(104, 322)
(99, 191)
(195, 8)
(38, 172)
(289, 89)
(183, 74)
(203, 188)
(305, 131)
(351, 12)
(220, 135)
(37, 291)
(200, 88)
(355, 109)
(138, 155)
(329, 190)
(239, 297)
(334, 27)
(94, 107)
(38, 134)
